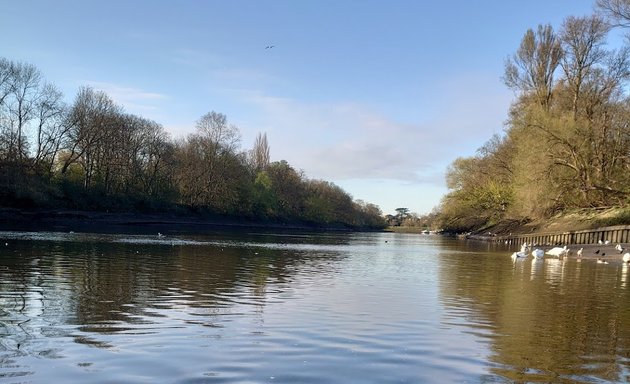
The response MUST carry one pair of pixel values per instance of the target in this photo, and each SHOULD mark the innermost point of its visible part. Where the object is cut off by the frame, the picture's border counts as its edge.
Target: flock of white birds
(539, 254)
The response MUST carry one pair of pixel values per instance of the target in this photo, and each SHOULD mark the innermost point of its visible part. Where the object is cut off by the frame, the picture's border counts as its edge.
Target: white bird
(600, 242)
(525, 247)
(626, 257)
(579, 252)
(160, 235)
(538, 253)
(519, 255)
(601, 261)
(558, 251)
(619, 248)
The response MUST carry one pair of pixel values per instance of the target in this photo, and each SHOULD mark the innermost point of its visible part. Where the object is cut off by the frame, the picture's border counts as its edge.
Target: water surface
(307, 308)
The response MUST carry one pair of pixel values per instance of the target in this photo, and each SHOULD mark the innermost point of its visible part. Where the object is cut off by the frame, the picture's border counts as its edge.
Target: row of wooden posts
(614, 235)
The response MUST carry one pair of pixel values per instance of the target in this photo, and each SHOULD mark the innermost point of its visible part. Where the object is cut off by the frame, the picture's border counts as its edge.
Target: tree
(214, 128)
(259, 155)
(531, 69)
(50, 129)
(7, 73)
(92, 120)
(289, 189)
(20, 87)
(567, 139)
(618, 11)
(583, 39)
(91, 154)
(212, 172)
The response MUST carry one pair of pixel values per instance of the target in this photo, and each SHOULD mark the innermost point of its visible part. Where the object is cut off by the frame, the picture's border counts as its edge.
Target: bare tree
(20, 91)
(50, 128)
(583, 39)
(7, 72)
(210, 165)
(213, 127)
(92, 118)
(531, 69)
(618, 11)
(259, 155)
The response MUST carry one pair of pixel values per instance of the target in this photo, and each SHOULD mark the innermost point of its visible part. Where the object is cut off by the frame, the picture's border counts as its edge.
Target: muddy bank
(87, 221)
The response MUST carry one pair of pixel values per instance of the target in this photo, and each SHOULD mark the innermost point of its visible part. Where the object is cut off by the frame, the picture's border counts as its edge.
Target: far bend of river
(303, 308)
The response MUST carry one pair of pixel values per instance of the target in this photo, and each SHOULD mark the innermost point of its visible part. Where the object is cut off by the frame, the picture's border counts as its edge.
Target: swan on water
(626, 257)
(579, 252)
(558, 251)
(519, 255)
(538, 253)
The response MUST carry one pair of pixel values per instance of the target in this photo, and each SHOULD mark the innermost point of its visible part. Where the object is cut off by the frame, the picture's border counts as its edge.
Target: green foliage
(91, 155)
(567, 141)
(264, 200)
(620, 217)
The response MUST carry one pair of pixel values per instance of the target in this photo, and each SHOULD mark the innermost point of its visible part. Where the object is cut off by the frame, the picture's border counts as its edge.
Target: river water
(303, 308)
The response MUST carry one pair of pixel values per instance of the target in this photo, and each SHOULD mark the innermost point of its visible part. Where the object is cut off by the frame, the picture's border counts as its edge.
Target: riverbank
(576, 220)
(585, 229)
(93, 221)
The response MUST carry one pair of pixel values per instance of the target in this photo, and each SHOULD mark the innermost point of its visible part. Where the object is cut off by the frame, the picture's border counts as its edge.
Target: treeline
(567, 141)
(92, 155)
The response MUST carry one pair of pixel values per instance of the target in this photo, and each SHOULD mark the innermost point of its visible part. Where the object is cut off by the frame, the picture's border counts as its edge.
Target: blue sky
(378, 97)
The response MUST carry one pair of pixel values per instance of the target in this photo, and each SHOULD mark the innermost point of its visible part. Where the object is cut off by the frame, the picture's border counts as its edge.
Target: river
(229, 307)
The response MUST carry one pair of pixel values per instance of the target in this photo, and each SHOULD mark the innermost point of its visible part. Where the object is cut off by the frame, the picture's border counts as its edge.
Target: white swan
(579, 252)
(601, 261)
(525, 247)
(626, 257)
(538, 253)
(558, 251)
(519, 255)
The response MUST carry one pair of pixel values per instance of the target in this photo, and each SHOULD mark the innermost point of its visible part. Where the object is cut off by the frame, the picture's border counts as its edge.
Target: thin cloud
(195, 58)
(132, 99)
(347, 141)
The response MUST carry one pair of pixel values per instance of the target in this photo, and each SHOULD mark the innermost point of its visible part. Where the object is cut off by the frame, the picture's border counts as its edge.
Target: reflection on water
(553, 320)
(314, 308)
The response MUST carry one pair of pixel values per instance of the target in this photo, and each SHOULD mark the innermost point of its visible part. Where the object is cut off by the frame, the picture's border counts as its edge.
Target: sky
(378, 97)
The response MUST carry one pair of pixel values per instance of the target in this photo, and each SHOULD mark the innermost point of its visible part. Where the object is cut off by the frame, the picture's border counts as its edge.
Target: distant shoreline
(42, 219)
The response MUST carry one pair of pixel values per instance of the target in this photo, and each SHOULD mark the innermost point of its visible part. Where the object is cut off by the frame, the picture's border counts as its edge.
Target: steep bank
(595, 232)
(576, 220)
